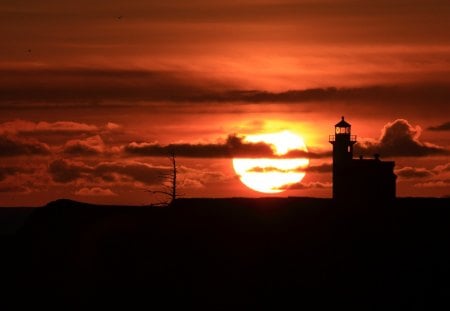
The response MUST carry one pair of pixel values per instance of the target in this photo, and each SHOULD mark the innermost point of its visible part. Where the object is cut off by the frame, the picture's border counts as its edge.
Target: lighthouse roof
(342, 123)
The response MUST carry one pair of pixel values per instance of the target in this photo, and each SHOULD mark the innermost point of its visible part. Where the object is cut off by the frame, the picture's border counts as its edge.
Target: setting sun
(273, 175)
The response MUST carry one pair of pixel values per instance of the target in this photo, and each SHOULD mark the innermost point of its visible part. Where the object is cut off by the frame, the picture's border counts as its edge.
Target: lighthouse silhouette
(359, 180)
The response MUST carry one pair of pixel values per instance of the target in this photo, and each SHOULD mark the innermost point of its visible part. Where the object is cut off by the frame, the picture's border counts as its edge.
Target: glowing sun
(273, 175)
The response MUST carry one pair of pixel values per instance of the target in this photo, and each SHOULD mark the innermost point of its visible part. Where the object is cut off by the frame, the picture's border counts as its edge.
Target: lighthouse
(359, 180)
(342, 142)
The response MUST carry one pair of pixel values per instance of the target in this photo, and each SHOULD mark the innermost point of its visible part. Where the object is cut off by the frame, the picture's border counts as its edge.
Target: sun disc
(273, 175)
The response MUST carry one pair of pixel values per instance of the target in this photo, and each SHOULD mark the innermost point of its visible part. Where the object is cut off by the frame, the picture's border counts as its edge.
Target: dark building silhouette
(359, 180)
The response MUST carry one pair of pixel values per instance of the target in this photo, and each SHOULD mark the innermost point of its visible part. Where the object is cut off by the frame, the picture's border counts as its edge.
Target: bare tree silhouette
(169, 190)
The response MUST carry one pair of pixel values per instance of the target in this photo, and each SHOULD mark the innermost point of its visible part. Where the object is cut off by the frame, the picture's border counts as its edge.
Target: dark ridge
(12, 219)
(68, 203)
(61, 203)
(233, 253)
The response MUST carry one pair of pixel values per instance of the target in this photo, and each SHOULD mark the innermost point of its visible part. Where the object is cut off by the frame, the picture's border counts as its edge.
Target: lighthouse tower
(342, 142)
(357, 181)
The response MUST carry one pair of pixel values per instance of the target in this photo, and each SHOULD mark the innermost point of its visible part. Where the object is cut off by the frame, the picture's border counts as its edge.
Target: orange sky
(81, 81)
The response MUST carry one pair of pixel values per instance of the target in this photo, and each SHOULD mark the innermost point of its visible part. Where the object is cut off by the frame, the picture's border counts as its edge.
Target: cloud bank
(103, 86)
(399, 139)
(65, 171)
(11, 146)
(234, 146)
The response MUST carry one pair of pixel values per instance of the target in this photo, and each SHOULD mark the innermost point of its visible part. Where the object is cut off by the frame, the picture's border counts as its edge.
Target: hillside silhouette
(231, 252)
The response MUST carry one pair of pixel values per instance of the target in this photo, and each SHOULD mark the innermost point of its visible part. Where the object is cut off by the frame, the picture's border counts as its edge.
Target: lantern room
(342, 127)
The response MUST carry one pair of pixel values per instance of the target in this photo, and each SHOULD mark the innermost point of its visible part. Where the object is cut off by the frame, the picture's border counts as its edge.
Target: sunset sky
(93, 92)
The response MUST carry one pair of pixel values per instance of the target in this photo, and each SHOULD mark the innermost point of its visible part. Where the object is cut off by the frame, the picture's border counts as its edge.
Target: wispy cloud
(43, 127)
(309, 185)
(6, 171)
(441, 127)
(95, 191)
(413, 172)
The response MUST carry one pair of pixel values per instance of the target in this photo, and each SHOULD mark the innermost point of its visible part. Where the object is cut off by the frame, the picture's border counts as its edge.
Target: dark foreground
(233, 253)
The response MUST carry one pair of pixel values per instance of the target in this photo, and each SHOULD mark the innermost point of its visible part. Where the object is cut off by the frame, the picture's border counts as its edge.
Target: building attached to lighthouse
(359, 180)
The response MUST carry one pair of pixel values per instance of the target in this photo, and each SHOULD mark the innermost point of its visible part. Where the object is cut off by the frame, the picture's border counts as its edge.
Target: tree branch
(160, 191)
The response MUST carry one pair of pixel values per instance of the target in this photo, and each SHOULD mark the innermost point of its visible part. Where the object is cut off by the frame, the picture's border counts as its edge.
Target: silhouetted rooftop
(342, 123)
(374, 161)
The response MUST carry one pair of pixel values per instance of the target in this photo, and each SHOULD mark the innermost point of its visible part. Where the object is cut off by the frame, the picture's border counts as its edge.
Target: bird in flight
(29, 50)
(119, 17)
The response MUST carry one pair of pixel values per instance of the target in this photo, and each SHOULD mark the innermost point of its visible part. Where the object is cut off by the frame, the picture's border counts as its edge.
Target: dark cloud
(412, 172)
(64, 171)
(202, 176)
(141, 172)
(436, 172)
(79, 149)
(234, 146)
(113, 86)
(321, 168)
(435, 177)
(7, 171)
(188, 183)
(441, 178)
(11, 145)
(46, 128)
(271, 169)
(441, 183)
(442, 127)
(13, 170)
(98, 179)
(85, 147)
(399, 138)
(308, 154)
(24, 178)
(7, 188)
(313, 184)
(382, 93)
(90, 86)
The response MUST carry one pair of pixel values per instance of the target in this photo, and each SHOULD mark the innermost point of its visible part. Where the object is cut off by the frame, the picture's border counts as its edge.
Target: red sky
(85, 84)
